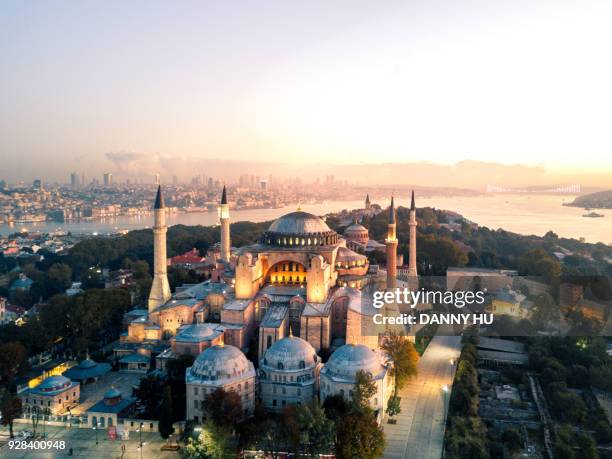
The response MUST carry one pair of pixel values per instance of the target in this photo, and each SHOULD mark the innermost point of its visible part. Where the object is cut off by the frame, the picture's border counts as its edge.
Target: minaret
(160, 288)
(391, 243)
(224, 218)
(413, 279)
(368, 205)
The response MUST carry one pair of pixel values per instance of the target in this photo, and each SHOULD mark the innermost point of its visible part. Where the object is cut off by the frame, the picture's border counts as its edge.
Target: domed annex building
(219, 367)
(288, 374)
(338, 376)
(110, 410)
(52, 396)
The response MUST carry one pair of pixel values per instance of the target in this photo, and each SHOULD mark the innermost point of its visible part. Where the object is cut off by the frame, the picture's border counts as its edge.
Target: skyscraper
(74, 180)
(108, 179)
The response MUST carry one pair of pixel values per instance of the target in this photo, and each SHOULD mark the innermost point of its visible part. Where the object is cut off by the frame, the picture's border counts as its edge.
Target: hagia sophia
(299, 293)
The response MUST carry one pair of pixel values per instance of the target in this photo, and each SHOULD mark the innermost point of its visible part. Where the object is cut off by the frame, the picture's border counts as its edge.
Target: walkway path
(419, 432)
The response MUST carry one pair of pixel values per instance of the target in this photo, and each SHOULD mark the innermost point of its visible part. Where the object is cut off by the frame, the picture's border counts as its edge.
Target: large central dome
(299, 223)
(299, 229)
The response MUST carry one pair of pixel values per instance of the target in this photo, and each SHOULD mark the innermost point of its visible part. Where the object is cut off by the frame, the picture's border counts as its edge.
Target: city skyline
(278, 83)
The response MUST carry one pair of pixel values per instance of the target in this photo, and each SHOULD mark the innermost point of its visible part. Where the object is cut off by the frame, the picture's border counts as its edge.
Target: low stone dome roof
(196, 333)
(53, 384)
(112, 393)
(347, 360)
(355, 228)
(220, 364)
(299, 223)
(86, 363)
(290, 353)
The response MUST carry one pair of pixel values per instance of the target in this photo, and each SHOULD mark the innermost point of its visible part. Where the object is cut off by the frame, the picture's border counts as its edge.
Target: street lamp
(445, 390)
(95, 428)
(140, 432)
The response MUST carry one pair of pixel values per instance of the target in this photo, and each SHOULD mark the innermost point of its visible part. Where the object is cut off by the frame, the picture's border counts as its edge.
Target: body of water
(524, 214)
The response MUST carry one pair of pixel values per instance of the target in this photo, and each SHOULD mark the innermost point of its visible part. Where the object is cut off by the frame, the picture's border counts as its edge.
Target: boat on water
(593, 215)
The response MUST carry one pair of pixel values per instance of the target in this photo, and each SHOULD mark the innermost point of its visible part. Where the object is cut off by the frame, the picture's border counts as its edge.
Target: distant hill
(599, 200)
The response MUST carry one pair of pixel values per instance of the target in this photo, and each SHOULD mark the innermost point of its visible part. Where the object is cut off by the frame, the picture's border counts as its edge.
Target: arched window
(281, 366)
(269, 342)
(302, 364)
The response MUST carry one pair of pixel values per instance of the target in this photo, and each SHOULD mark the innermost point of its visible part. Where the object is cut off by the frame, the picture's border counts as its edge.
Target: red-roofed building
(188, 260)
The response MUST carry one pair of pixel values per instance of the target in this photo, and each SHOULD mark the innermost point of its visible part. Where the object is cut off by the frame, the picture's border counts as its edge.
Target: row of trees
(465, 432)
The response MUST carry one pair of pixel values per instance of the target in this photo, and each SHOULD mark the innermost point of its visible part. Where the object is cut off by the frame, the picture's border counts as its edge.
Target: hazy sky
(522, 81)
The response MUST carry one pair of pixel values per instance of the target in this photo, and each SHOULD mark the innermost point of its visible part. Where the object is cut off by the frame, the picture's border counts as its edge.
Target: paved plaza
(419, 432)
(83, 444)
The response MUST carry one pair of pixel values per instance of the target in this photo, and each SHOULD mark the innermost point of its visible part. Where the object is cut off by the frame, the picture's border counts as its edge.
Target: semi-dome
(299, 229)
(220, 364)
(347, 360)
(291, 353)
(299, 223)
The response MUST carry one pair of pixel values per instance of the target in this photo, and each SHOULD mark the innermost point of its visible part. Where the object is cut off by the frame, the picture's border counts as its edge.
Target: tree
(545, 310)
(335, 407)
(316, 427)
(404, 357)
(150, 392)
(224, 407)
(165, 415)
(364, 390)
(512, 439)
(359, 435)
(587, 448)
(11, 410)
(393, 406)
(12, 356)
(214, 442)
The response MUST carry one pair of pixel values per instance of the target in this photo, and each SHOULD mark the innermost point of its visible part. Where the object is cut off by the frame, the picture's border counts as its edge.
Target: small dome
(222, 364)
(197, 332)
(112, 393)
(347, 360)
(291, 353)
(355, 228)
(87, 363)
(299, 223)
(53, 383)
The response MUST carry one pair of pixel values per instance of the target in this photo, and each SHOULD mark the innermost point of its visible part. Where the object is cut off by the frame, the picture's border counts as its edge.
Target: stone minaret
(224, 218)
(413, 279)
(368, 205)
(391, 243)
(160, 288)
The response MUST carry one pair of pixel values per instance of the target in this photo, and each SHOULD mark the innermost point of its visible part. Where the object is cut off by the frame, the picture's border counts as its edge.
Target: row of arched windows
(283, 240)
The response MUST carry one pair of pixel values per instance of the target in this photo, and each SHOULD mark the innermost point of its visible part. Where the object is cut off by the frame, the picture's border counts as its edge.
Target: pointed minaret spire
(392, 212)
(224, 218)
(160, 288)
(391, 250)
(159, 199)
(413, 277)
